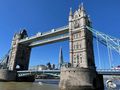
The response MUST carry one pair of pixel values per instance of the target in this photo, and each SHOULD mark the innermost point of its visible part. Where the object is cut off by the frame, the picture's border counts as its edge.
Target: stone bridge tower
(20, 54)
(81, 39)
(81, 75)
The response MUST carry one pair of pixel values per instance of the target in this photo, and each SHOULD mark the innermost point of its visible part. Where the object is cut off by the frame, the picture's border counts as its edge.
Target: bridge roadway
(100, 71)
(55, 35)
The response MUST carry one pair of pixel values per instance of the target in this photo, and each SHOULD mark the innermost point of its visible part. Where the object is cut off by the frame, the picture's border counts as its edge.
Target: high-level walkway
(55, 35)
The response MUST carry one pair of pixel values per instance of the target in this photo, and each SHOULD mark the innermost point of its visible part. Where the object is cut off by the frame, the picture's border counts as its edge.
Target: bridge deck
(48, 37)
(100, 71)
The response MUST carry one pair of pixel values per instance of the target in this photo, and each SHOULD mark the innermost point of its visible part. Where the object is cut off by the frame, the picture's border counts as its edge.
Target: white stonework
(81, 75)
(81, 52)
(20, 54)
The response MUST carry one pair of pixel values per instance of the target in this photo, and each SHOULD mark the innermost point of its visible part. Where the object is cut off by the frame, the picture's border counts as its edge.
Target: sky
(44, 15)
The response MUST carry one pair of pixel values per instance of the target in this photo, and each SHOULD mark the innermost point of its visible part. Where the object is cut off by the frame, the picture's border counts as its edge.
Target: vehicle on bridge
(117, 67)
(39, 33)
(53, 30)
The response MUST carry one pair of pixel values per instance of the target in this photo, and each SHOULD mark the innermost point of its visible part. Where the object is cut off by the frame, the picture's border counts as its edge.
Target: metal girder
(100, 71)
(105, 39)
(42, 36)
(50, 40)
(109, 71)
(4, 61)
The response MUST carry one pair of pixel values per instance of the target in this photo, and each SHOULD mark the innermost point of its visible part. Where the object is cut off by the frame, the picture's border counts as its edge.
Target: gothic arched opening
(94, 82)
(18, 67)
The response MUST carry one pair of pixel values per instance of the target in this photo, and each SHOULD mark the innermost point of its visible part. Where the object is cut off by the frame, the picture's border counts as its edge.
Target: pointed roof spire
(79, 6)
(82, 7)
(60, 57)
(88, 17)
(83, 12)
(70, 12)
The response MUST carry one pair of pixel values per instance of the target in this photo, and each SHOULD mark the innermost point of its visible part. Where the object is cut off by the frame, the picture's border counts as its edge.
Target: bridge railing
(108, 70)
(40, 34)
(54, 30)
(42, 71)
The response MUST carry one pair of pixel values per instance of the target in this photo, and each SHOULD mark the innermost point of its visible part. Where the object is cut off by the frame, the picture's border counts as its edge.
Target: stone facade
(7, 75)
(80, 79)
(81, 75)
(81, 46)
(20, 54)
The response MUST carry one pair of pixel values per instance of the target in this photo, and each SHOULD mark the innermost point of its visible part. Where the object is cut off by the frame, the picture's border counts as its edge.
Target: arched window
(74, 46)
(76, 24)
(77, 46)
(80, 59)
(80, 34)
(76, 15)
(77, 58)
(74, 59)
(80, 45)
(18, 67)
(74, 36)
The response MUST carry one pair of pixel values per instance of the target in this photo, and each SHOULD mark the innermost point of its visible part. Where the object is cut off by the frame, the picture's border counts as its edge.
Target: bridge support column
(18, 59)
(20, 53)
(81, 75)
(80, 79)
(8, 75)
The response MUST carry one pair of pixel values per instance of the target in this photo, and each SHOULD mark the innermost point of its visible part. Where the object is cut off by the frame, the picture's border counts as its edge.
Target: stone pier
(81, 73)
(7, 75)
(80, 79)
(10, 75)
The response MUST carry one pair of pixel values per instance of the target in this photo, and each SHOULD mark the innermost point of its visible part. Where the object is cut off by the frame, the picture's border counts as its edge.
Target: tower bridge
(81, 72)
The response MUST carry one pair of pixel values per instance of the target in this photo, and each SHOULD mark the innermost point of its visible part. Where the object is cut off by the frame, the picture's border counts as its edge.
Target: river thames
(44, 85)
(38, 85)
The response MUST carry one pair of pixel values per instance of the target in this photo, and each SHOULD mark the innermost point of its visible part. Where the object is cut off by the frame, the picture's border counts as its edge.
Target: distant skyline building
(38, 67)
(61, 61)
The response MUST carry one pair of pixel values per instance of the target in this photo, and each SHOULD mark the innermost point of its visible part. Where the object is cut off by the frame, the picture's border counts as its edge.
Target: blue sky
(43, 15)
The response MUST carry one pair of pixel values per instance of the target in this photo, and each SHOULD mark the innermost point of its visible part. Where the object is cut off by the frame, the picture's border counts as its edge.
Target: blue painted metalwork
(52, 72)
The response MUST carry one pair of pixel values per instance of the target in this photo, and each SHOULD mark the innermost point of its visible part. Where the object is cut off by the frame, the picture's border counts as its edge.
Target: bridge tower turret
(61, 61)
(81, 74)
(81, 47)
(19, 56)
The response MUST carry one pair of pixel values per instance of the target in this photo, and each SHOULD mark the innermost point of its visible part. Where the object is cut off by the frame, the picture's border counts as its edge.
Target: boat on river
(110, 84)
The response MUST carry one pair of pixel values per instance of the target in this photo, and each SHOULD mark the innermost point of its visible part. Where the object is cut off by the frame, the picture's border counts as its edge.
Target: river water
(38, 85)
(46, 85)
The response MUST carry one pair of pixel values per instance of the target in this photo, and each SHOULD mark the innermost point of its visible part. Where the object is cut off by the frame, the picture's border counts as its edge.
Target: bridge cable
(114, 44)
(118, 45)
(98, 50)
(110, 42)
(4, 60)
(109, 57)
(118, 41)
